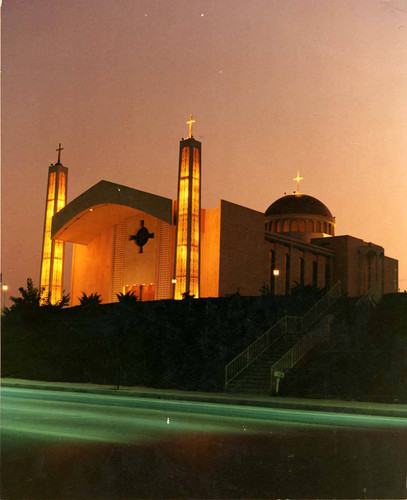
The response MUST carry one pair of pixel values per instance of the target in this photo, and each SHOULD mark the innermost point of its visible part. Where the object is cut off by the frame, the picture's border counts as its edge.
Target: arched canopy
(102, 206)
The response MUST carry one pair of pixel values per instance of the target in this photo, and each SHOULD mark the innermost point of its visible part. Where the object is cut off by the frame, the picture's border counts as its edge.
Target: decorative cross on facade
(141, 237)
(298, 179)
(59, 152)
(190, 122)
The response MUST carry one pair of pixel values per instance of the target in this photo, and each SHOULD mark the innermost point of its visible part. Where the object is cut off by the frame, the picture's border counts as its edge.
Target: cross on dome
(298, 179)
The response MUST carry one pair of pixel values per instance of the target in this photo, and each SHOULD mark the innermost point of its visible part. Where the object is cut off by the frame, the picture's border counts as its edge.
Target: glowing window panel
(51, 187)
(45, 269)
(57, 268)
(182, 226)
(183, 196)
(185, 162)
(61, 191)
(47, 244)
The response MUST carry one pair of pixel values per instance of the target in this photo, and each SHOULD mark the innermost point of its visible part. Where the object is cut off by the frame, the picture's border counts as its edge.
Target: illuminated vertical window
(182, 226)
(61, 191)
(195, 229)
(52, 263)
(57, 269)
(47, 245)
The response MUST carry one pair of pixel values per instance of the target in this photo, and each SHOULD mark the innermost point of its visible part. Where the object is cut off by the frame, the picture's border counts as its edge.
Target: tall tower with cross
(52, 260)
(187, 246)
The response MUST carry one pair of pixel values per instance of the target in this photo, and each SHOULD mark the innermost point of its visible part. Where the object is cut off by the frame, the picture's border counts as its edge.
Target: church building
(125, 239)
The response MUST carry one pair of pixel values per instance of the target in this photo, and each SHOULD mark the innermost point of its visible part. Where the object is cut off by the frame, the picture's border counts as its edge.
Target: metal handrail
(288, 324)
(316, 336)
(372, 297)
(256, 349)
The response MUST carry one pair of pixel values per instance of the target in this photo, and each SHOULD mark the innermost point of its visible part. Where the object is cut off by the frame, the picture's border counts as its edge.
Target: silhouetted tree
(127, 298)
(90, 301)
(30, 305)
(30, 297)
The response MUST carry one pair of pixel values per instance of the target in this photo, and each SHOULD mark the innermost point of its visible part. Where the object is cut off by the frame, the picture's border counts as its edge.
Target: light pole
(276, 273)
(4, 288)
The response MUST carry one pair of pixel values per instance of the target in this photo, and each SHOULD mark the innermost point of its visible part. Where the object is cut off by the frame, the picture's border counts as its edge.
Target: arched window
(294, 225)
(278, 226)
(301, 226)
(318, 228)
(310, 226)
(286, 226)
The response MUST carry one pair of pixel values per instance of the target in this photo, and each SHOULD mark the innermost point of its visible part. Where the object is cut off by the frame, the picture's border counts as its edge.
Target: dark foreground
(58, 445)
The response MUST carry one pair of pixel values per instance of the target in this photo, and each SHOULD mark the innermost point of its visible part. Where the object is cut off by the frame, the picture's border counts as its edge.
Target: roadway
(61, 444)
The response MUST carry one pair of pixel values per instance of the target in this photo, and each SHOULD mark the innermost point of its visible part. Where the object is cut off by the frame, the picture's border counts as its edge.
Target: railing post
(271, 381)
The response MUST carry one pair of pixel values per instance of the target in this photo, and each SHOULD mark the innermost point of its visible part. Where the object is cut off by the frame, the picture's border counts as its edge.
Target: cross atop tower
(59, 152)
(190, 122)
(298, 179)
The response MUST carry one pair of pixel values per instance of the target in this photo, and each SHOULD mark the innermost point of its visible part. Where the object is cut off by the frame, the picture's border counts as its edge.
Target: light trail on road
(185, 448)
(119, 419)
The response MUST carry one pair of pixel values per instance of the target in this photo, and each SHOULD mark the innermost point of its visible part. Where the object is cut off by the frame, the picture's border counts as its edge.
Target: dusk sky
(275, 86)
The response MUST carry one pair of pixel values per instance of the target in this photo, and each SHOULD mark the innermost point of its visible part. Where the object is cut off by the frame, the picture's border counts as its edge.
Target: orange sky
(318, 86)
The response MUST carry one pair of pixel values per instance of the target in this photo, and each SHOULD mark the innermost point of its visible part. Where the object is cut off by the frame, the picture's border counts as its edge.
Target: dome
(298, 204)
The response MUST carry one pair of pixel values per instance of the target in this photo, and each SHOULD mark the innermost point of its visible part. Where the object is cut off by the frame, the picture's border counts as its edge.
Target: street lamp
(4, 288)
(276, 273)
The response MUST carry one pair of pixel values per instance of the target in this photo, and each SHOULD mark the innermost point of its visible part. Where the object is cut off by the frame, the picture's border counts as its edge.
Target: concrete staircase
(256, 378)
(255, 369)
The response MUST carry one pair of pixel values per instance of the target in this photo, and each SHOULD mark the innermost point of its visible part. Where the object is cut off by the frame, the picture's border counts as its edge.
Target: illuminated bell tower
(52, 261)
(187, 247)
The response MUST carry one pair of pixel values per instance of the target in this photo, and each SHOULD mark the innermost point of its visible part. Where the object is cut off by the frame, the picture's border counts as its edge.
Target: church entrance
(144, 292)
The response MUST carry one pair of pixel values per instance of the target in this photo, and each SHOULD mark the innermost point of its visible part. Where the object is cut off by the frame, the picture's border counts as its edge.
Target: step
(255, 376)
(251, 391)
(263, 385)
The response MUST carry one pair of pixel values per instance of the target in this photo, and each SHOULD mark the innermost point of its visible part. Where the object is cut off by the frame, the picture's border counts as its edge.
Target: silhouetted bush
(90, 301)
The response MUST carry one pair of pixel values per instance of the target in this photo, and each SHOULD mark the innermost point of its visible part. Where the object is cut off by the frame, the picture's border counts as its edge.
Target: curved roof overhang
(104, 205)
